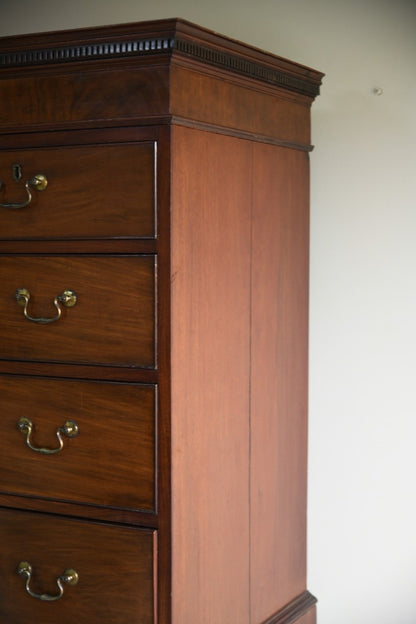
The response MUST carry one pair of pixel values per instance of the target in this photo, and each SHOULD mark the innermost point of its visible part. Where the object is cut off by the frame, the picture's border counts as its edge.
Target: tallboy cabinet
(153, 328)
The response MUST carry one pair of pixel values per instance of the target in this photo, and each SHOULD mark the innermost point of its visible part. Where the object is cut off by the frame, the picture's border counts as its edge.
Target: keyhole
(17, 172)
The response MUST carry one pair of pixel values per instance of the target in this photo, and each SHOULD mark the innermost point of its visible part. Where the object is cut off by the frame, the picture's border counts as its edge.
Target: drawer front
(112, 322)
(111, 459)
(115, 568)
(92, 192)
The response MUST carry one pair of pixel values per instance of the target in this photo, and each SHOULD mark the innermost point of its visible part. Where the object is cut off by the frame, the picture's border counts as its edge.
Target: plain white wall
(362, 506)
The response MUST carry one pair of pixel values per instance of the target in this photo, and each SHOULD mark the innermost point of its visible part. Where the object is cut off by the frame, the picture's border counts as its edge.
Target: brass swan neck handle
(69, 429)
(67, 298)
(38, 182)
(70, 577)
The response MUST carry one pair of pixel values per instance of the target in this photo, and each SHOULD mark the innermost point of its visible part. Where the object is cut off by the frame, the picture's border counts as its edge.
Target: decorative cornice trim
(156, 46)
(244, 67)
(294, 610)
(86, 52)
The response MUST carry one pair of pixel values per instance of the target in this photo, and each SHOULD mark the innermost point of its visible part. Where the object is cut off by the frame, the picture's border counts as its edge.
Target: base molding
(293, 611)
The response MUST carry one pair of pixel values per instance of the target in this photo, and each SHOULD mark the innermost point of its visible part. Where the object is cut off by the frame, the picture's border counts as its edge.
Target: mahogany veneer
(177, 210)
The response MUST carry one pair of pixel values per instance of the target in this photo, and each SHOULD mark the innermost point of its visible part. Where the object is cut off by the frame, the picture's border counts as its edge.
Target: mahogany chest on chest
(153, 328)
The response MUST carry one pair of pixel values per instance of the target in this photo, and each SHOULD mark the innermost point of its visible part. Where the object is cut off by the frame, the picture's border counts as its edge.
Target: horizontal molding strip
(240, 134)
(81, 511)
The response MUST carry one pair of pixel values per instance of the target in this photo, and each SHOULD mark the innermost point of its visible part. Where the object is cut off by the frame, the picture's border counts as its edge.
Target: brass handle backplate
(38, 182)
(69, 429)
(70, 577)
(67, 298)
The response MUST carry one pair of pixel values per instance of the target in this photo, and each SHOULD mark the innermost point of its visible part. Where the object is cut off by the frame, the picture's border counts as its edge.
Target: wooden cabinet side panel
(278, 378)
(210, 377)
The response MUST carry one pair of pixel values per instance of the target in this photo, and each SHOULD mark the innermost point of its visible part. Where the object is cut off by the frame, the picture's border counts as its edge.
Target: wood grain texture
(210, 375)
(245, 297)
(115, 567)
(279, 363)
(113, 321)
(104, 191)
(232, 105)
(111, 462)
(81, 98)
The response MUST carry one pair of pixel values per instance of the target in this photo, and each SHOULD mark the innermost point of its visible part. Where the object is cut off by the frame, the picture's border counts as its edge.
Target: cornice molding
(294, 610)
(245, 67)
(156, 46)
(86, 52)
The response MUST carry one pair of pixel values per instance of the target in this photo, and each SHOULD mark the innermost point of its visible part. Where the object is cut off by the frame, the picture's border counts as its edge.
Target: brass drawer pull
(69, 429)
(70, 577)
(68, 299)
(38, 182)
